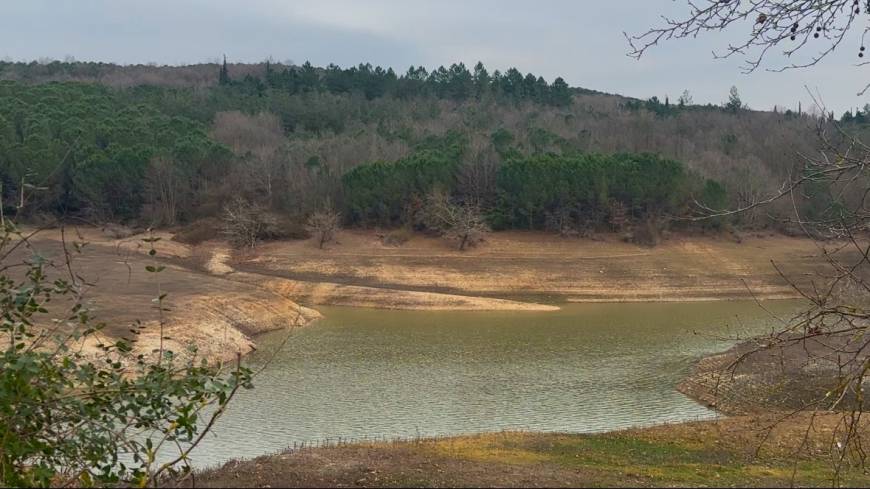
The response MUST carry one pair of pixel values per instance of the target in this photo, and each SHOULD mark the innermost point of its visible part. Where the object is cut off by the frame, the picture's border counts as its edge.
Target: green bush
(67, 417)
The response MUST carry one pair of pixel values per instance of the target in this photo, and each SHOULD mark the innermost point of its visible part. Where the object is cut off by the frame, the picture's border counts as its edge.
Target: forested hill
(169, 145)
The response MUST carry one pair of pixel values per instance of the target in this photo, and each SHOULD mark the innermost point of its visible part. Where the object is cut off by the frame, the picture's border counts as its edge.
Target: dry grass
(713, 453)
(537, 266)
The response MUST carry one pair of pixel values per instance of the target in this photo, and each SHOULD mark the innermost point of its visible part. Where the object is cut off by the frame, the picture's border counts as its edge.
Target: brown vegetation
(462, 223)
(324, 225)
(539, 266)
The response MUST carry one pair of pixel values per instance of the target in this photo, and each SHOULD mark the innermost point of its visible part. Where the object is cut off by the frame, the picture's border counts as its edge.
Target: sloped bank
(775, 373)
(218, 317)
(735, 451)
(217, 257)
(535, 266)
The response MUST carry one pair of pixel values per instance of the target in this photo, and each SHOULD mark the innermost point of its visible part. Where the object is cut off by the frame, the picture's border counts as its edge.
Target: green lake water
(367, 374)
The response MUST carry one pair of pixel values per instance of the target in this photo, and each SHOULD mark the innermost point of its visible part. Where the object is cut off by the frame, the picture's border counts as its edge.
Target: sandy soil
(215, 258)
(383, 298)
(220, 317)
(541, 267)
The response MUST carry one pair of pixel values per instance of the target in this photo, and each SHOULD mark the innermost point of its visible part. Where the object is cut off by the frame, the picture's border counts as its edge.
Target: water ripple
(366, 374)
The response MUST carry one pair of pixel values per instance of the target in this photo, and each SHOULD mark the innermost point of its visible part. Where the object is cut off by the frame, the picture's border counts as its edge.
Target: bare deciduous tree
(258, 140)
(831, 335)
(460, 222)
(245, 223)
(165, 189)
(324, 225)
(792, 26)
(477, 175)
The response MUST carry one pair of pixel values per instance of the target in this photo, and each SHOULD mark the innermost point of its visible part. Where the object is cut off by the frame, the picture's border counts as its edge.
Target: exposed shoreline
(720, 452)
(771, 373)
(530, 267)
(236, 295)
(219, 317)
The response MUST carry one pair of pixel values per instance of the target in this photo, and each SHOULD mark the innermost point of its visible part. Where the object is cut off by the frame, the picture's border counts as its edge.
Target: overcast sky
(580, 40)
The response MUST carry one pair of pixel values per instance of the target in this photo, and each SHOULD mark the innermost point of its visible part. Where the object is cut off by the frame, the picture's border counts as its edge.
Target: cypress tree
(224, 76)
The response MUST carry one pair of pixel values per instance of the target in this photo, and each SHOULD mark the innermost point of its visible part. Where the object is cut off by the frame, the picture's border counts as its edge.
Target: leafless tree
(477, 175)
(789, 27)
(165, 189)
(686, 98)
(618, 216)
(460, 222)
(835, 179)
(324, 224)
(245, 223)
(259, 141)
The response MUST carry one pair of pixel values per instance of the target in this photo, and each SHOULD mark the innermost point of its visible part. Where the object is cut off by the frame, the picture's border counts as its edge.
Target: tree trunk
(463, 242)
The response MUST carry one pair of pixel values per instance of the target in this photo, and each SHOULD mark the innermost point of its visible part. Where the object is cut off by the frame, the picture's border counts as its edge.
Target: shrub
(286, 228)
(66, 416)
(397, 237)
(199, 231)
(246, 223)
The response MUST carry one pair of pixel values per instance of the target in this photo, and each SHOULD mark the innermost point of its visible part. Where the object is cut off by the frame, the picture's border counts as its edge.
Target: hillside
(171, 145)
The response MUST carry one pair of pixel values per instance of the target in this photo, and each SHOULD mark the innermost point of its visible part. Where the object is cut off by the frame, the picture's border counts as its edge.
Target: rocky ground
(779, 373)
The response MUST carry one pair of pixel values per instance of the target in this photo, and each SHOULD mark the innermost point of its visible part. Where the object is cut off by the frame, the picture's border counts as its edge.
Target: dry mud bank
(764, 374)
(538, 267)
(218, 316)
(215, 259)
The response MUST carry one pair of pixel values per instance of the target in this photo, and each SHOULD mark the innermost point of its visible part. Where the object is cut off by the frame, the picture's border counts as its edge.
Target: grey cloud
(581, 41)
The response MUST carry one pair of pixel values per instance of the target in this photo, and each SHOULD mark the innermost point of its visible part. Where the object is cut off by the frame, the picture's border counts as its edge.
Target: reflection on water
(370, 373)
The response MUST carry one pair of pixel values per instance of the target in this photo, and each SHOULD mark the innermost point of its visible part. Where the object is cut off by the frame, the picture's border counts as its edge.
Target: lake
(367, 374)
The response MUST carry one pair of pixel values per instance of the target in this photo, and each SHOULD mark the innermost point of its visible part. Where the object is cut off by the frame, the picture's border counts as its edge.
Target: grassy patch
(715, 453)
(496, 447)
(616, 459)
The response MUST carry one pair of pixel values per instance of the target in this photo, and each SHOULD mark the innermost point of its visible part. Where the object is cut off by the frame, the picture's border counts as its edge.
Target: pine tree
(560, 93)
(734, 103)
(224, 76)
(685, 99)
